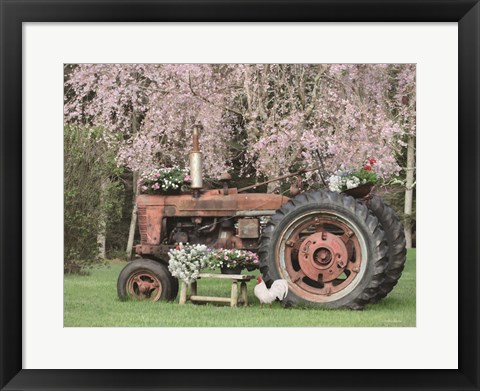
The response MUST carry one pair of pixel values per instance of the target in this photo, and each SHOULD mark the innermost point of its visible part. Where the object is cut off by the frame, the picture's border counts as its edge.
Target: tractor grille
(142, 223)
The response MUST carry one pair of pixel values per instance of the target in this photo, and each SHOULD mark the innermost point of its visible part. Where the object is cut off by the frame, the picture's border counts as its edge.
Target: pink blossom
(266, 117)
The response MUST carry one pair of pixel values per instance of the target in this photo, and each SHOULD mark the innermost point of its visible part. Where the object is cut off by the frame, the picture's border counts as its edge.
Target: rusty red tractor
(334, 249)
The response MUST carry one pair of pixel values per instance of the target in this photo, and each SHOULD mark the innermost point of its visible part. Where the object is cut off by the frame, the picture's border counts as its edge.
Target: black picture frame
(14, 13)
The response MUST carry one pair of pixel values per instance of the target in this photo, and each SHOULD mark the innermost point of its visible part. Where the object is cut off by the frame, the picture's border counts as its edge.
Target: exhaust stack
(196, 161)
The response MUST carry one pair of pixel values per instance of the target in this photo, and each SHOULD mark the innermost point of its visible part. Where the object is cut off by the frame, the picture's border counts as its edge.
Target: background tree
(92, 196)
(260, 120)
(289, 109)
(403, 108)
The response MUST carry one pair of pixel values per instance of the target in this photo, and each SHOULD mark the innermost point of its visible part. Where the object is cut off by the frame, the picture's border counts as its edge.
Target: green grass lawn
(91, 301)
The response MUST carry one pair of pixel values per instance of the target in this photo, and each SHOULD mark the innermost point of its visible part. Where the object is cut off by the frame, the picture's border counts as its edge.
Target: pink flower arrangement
(350, 179)
(232, 258)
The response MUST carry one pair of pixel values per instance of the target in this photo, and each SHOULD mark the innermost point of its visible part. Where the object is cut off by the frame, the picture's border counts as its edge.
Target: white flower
(187, 262)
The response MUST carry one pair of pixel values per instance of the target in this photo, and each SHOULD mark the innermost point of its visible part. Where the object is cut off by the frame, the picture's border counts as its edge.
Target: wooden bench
(234, 298)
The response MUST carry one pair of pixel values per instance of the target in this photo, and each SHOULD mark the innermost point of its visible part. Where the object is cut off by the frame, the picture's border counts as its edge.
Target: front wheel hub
(323, 256)
(144, 285)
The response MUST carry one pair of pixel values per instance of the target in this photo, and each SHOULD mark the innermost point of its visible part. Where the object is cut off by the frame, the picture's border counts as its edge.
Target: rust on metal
(212, 203)
(227, 239)
(278, 179)
(159, 251)
(248, 228)
(196, 163)
(204, 216)
(323, 254)
(224, 178)
(323, 259)
(144, 285)
(195, 136)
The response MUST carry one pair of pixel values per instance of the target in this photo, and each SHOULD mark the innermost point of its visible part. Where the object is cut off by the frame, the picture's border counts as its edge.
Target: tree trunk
(102, 229)
(410, 181)
(133, 220)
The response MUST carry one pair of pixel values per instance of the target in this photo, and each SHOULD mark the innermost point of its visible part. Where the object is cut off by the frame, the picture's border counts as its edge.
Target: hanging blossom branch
(267, 117)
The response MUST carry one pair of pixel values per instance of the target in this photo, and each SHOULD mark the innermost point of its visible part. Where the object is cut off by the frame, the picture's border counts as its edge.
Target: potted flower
(232, 261)
(251, 261)
(357, 183)
(163, 180)
(187, 260)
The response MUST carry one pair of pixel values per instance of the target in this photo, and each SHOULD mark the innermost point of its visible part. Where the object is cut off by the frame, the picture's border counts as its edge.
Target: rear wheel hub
(323, 256)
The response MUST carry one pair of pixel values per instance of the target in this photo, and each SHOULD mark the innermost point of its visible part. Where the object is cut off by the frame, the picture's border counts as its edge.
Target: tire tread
(397, 252)
(328, 198)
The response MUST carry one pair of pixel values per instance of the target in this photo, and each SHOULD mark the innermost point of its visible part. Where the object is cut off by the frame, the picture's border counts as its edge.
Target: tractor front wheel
(329, 247)
(145, 279)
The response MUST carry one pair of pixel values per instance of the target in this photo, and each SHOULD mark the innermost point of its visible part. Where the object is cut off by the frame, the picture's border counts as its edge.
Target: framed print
(42, 349)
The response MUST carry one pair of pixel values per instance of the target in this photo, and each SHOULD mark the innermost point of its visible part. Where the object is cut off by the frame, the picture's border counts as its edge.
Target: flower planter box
(361, 191)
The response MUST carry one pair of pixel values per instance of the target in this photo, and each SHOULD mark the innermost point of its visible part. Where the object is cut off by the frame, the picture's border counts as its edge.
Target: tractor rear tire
(330, 248)
(145, 279)
(397, 251)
